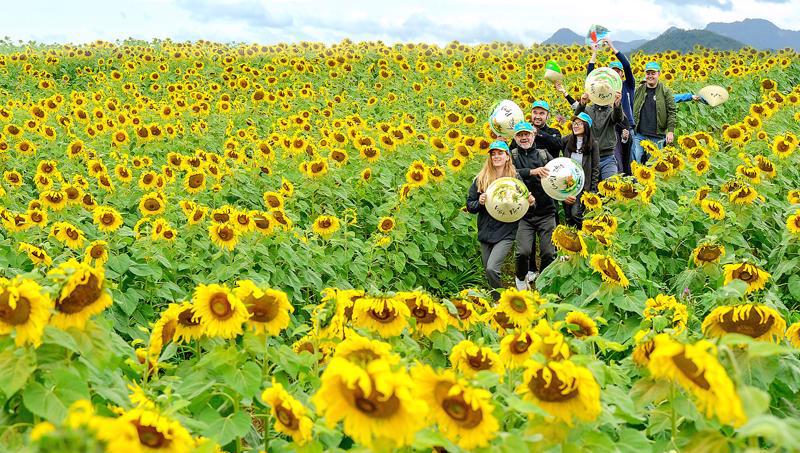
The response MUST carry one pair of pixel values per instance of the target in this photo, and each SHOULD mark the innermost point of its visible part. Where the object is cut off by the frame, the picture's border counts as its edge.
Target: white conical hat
(565, 178)
(602, 86)
(507, 199)
(714, 95)
(505, 114)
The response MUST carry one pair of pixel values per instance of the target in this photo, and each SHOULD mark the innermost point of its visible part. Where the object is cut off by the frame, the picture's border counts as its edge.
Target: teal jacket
(665, 107)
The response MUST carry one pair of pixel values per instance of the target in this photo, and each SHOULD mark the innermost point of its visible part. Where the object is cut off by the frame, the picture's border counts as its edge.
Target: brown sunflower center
(461, 309)
(423, 316)
(521, 344)
(753, 324)
(150, 437)
(152, 205)
(107, 219)
(571, 242)
(609, 269)
(518, 304)
(221, 217)
(387, 225)
(708, 253)
(196, 180)
(263, 309)
(375, 404)
(185, 318)
(479, 361)
(83, 295)
(745, 274)
(97, 251)
(691, 370)
(220, 306)
(385, 316)
(72, 193)
(287, 418)
(168, 331)
(14, 316)
(553, 391)
(461, 412)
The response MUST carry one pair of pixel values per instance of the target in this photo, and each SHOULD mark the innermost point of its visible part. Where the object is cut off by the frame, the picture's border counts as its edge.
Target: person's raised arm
(593, 60)
(560, 88)
(626, 65)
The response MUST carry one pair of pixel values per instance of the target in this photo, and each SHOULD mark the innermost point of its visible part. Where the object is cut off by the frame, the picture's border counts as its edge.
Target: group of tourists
(604, 141)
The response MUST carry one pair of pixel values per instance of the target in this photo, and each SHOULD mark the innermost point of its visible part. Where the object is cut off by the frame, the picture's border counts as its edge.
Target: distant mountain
(626, 47)
(685, 40)
(565, 37)
(758, 33)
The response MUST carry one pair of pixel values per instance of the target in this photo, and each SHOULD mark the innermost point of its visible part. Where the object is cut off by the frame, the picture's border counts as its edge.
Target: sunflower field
(225, 247)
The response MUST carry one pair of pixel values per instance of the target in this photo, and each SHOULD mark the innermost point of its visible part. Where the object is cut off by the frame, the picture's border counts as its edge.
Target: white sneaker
(521, 284)
(531, 276)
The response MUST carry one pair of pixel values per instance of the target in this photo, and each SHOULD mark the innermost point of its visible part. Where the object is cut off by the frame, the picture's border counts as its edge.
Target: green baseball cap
(541, 105)
(523, 127)
(652, 66)
(615, 65)
(501, 145)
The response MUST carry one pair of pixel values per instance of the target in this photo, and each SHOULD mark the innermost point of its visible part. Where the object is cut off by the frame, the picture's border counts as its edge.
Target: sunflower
(734, 134)
(696, 368)
(290, 415)
(455, 163)
(668, 306)
(386, 224)
(743, 195)
(83, 294)
(387, 316)
(643, 173)
(609, 270)
(280, 218)
(262, 222)
(417, 177)
(464, 414)
(54, 199)
(644, 347)
(370, 153)
(713, 208)
(374, 402)
(24, 309)
(273, 200)
(570, 241)
(219, 310)
(591, 201)
(782, 148)
(793, 223)
(517, 347)
(707, 253)
(325, 226)
(96, 253)
(107, 219)
(793, 334)
(163, 331)
(466, 314)
(366, 174)
(269, 308)
(35, 254)
(564, 390)
(430, 316)
(224, 235)
(793, 196)
(580, 325)
(37, 217)
(436, 173)
(469, 358)
(521, 307)
(152, 203)
(751, 274)
(553, 345)
(158, 433)
(194, 182)
(701, 166)
(756, 321)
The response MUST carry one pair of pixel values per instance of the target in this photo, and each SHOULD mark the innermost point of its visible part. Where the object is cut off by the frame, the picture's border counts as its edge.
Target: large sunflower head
(755, 277)
(569, 240)
(608, 269)
(326, 225)
(708, 252)
(387, 316)
(96, 253)
(581, 325)
(463, 414)
(152, 203)
(430, 315)
(469, 358)
(517, 347)
(565, 390)
(553, 345)
(269, 308)
(107, 219)
(224, 235)
(219, 310)
(754, 320)
(82, 294)
(521, 307)
(290, 414)
(158, 433)
(24, 310)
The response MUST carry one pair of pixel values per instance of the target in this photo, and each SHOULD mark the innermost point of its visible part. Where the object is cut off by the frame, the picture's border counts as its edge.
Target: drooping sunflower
(755, 277)
(521, 307)
(793, 335)
(219, 310)
(569, 240)
(591, 201)
(269, 308)
(290, 414)
(743, 195)
(793, 196)
(644, 347)
(24, 310)
(584, 326)
(96, 253)
(35, 254)
(696, 368)
(158, 433)
(707, 252)
(83, 294)
(670, 308)
(517, 347)
(469, 358)
(553, 345)
(713, 208)
(608, 269)
(387, 316)
(463, 413)
(223, 235)
(325, 226)
(374, 402)
(565, 390)
(273, 200)
(68, 234)
(754, 320)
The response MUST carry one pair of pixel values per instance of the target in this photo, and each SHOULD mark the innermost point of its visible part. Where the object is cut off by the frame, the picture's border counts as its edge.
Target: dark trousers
(529, 230)
(493, 256)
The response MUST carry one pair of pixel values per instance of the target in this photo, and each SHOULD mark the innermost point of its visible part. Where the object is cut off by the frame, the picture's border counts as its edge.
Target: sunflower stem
(673, 415)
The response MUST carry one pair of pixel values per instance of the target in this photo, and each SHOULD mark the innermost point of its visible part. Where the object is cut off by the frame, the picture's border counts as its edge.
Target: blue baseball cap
(501, 145)
(541, 105)
(652, 66)
(523, 127)
(585, 118)
(615, 65)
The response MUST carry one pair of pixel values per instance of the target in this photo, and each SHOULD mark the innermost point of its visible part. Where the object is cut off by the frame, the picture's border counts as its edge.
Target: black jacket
(490, 230)
(546, 138)
(525, 161)
(604, 119)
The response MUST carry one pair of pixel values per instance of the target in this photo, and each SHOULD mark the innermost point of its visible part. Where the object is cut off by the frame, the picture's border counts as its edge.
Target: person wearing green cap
(540, 220)
(496, 238)
(581, 147)
(545, 137)
(624, 132)
(654, 112)
(605, 119)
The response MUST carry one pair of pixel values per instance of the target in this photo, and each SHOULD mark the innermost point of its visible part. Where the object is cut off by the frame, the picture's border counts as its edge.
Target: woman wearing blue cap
(581, 147)
(496, 237)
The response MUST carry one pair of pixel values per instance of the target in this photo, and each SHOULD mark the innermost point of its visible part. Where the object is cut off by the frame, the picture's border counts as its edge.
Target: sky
(273, 21)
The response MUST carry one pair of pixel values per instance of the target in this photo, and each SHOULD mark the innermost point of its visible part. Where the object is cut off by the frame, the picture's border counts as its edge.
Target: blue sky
(272, 21)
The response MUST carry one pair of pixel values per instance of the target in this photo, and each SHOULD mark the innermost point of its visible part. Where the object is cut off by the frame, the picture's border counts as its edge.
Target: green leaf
(43, 402)
(794, 286)
(16, 366)
(754, 400)
(633, 441)
(226, 429)
(245, 380)
(783, 432)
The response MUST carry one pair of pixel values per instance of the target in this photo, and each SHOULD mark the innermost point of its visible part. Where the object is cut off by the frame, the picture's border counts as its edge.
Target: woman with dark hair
(581, 147)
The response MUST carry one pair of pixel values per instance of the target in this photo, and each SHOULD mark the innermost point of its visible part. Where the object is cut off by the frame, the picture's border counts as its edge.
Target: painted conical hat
(602, 86)
(507, 199)
(552, 72)
(505, 114)
(714, 95)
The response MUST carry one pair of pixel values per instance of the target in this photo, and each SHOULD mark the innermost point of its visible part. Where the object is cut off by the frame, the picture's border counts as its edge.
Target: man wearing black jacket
(546, 137)
(540, 220)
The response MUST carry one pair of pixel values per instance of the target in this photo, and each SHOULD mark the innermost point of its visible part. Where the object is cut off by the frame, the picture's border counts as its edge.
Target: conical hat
(602, 86)
(505, 114)
(565, 178)
(507, 199)
(552, 72)
(714, 95)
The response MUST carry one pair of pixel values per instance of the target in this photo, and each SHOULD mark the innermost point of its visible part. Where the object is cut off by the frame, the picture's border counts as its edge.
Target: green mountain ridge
(686, 40)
